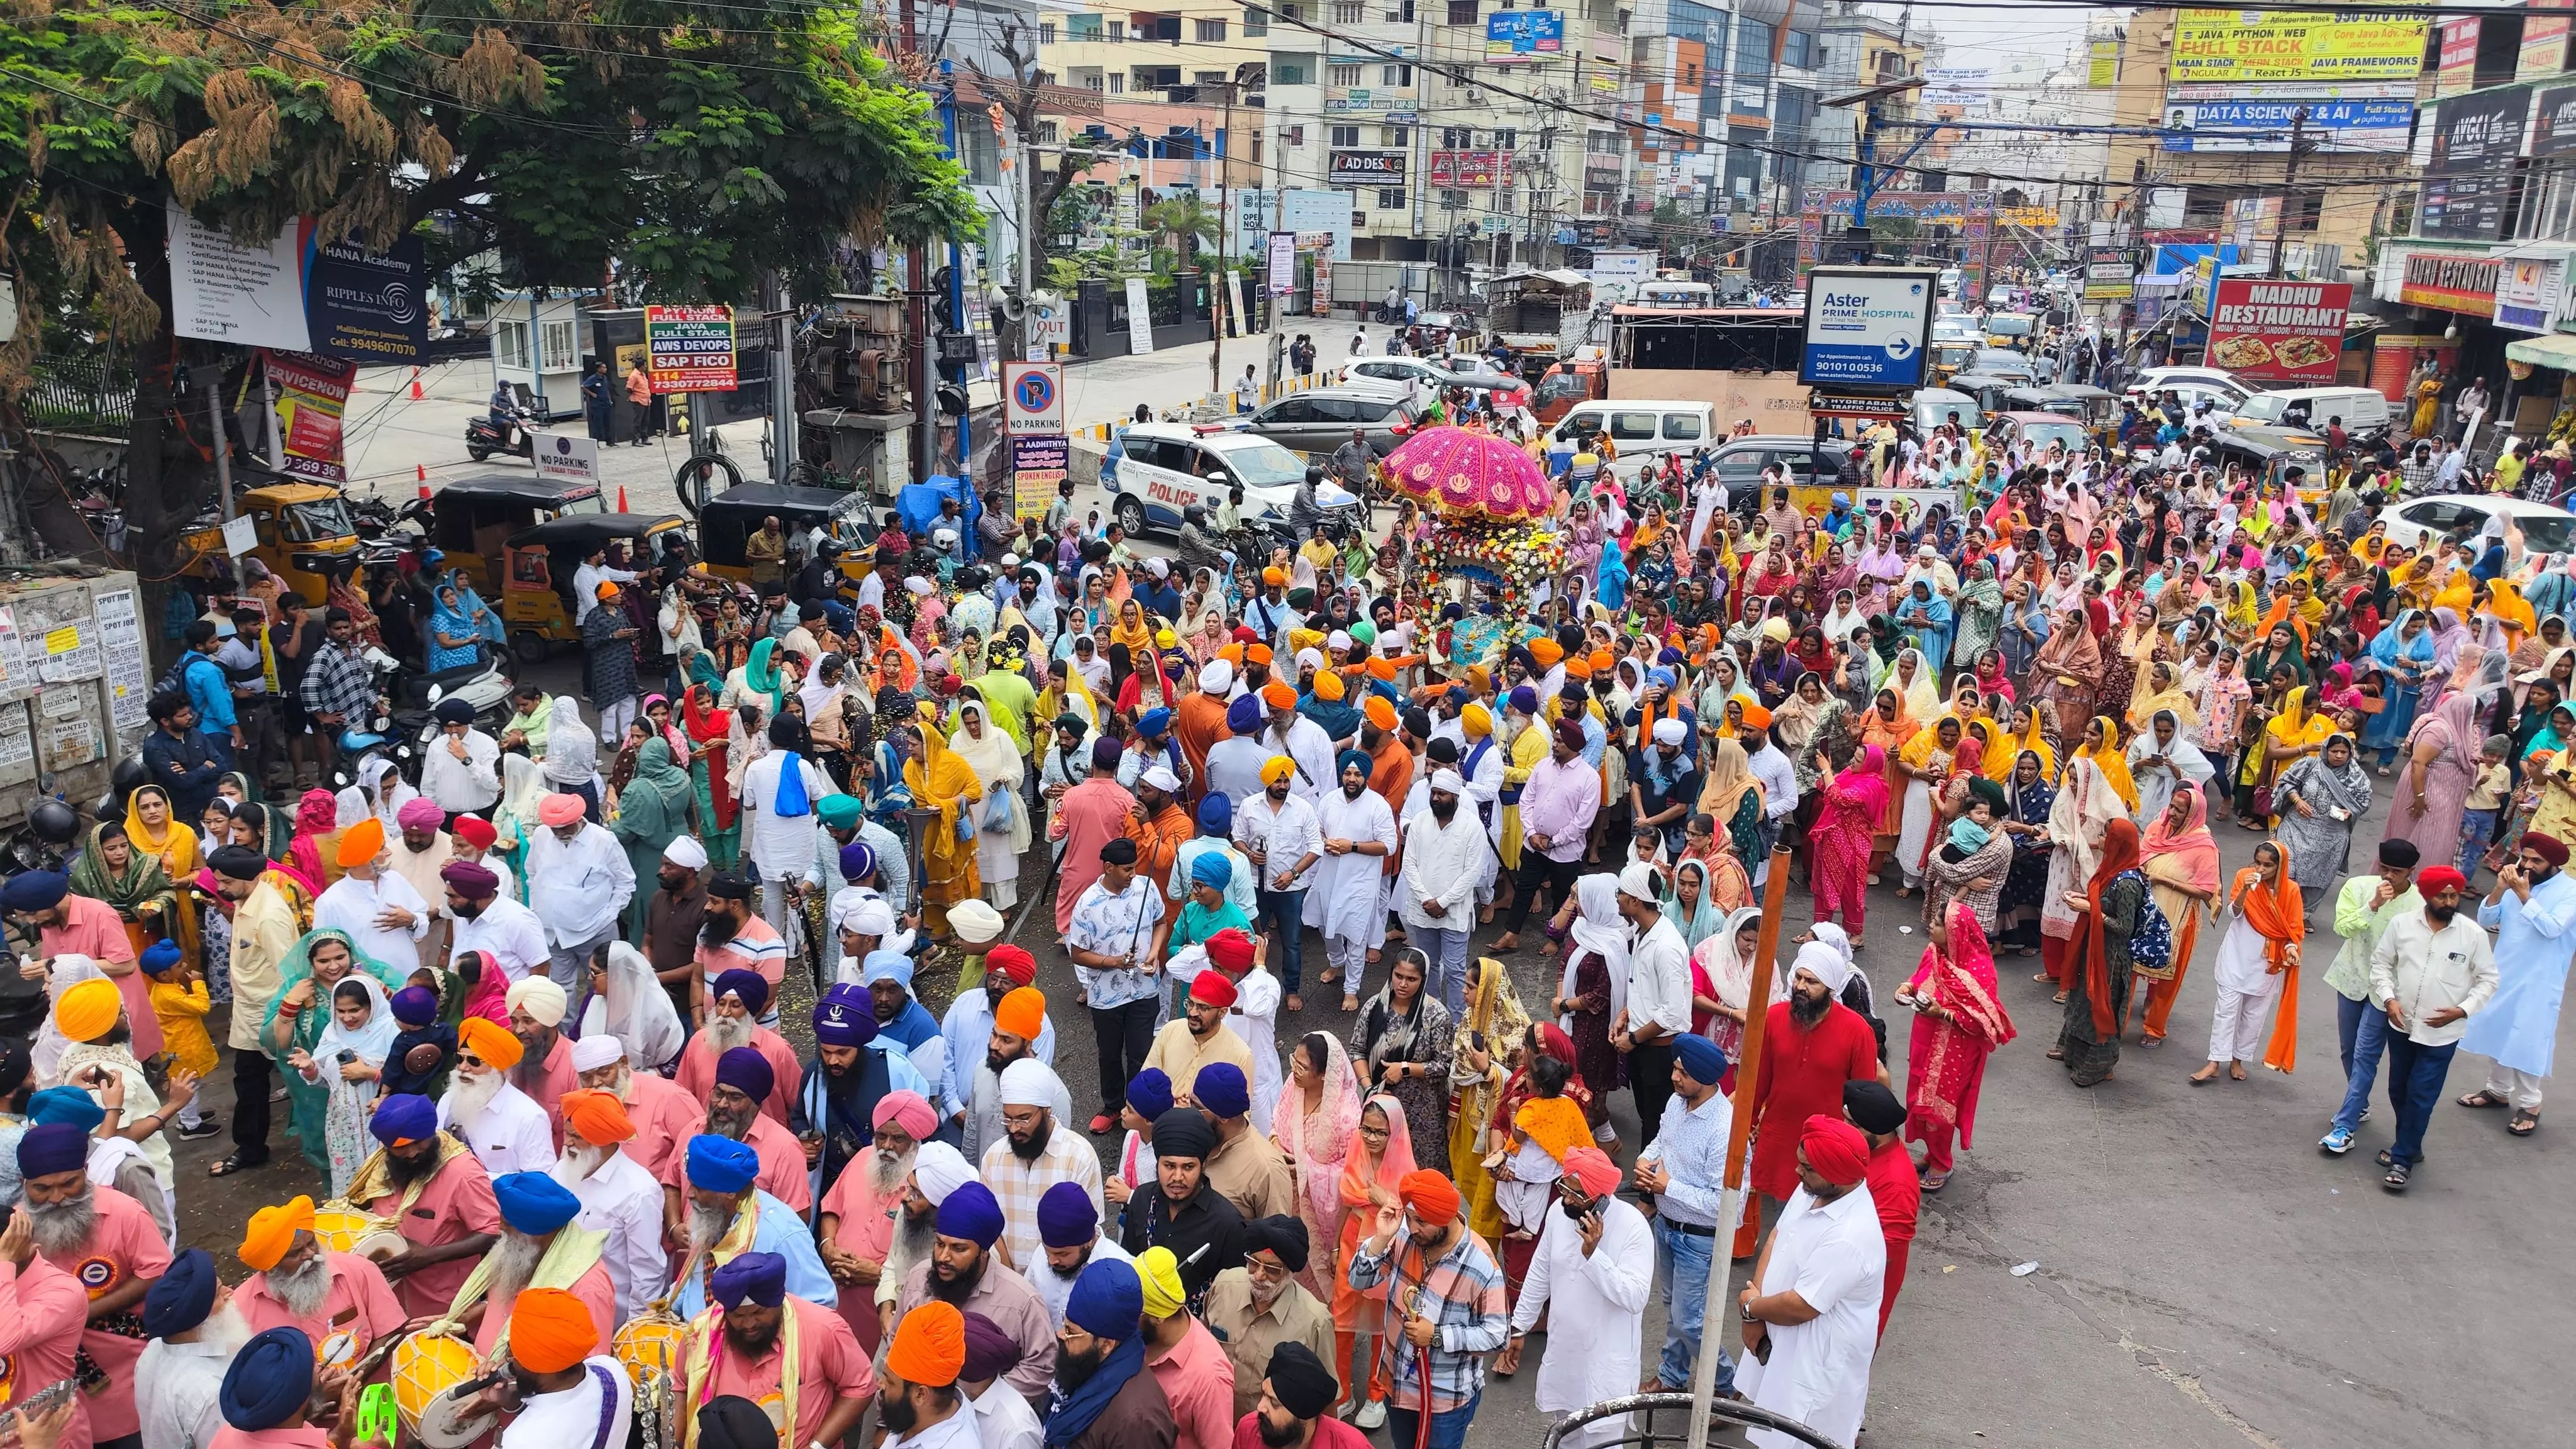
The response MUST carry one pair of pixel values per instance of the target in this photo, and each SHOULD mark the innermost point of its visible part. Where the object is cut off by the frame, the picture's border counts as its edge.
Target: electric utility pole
(2300, 145)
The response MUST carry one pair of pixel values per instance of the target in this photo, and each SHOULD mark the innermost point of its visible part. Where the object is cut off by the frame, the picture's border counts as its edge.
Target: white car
(2215, 387)
(1163, 468)
(2417, 522)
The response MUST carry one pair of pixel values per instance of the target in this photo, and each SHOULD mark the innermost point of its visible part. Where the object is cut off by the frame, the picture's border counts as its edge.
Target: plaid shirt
(337, 682)
(1463, 1290)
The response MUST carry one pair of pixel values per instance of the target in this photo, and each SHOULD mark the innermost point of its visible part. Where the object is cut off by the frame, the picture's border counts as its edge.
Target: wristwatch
(1744, 1311)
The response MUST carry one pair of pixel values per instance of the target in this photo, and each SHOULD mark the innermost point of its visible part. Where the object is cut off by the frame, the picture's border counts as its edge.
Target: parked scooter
(485, 436)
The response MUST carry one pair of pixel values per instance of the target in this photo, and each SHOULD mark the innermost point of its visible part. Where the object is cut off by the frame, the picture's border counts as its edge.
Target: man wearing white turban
(1037, 1151)
(1815, 1044)
(1444, 859)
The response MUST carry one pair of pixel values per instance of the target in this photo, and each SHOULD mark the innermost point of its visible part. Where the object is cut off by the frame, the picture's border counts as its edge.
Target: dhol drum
(346, 1229)
(425, 1365)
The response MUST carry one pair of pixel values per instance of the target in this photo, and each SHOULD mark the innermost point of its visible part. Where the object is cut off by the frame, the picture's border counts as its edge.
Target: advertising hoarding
(1467, 170)
(2526, 292)
(2263, 48)
(1367, 168)
(1524, 36)
(2278, 331)
(2264, 124)
(2451, 284)
(689, 348)
(2553, 122)
(2478, 133)
(1867, 326)
(293, 293)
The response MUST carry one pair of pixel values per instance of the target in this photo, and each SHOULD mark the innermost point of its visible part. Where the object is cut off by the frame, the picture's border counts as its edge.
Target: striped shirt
(1690, 1143)
(1462, 1293)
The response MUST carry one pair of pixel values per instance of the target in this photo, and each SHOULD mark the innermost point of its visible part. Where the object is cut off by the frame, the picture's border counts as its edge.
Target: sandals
(2395, 1181)
(2523, 1124)
(2482, 1099)
(231, 1163)
(1935, 1184)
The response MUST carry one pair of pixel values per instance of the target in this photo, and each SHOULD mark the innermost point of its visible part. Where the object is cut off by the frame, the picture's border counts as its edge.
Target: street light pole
(2289, 186)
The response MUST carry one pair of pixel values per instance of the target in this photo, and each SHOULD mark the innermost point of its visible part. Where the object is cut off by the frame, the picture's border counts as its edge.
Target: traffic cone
(420, 471)
(415, 384)
(621, 498)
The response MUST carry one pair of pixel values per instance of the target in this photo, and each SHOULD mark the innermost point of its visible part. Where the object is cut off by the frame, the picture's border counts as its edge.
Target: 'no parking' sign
(1032, 399)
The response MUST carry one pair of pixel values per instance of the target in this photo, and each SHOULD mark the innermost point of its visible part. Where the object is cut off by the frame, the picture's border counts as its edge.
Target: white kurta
(1914, 827)
(511, 1134)
(782, 844)
(2240, 965)
(352, 905)
(1347, 899)
(1596, 1313)
(1836, 1259)
(1255, 1018)
(1308, 745)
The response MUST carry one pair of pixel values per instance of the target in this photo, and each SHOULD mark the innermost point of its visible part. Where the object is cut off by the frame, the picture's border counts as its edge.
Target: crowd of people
(525, 1015)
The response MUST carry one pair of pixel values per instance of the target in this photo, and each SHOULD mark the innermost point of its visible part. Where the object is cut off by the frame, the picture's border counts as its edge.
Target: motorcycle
(46, 841)
(486, 435)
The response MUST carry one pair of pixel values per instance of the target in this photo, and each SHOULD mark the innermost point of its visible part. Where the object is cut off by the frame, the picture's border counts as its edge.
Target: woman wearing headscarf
(112, 869)
(944, 781)
(2161, 760)
(627, 1001)
(2098, 974)
(1493, 1029)
(1403, 1045)
(2294, 733)
(1733, 798)
(1970, 855)
(1316, 1125)
(654, 809)
(1722, 975)
(1925, 765)
(381, 791)
(2258, 959)
(1592, 991)
(313, 850)
(1959, 1021)
(298, 1017)
(453, 639)
(2180, 858)
(1380, 1158)
(2068, 673)
(2101, 745)
(1001, 819)
(572, 755)
(2404, 651)
(1688, 904)
(1850, 816)
(2319, 801)
(2085, 807)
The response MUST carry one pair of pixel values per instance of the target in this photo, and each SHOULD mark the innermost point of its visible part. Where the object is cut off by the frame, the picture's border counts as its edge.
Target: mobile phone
(347, 1056)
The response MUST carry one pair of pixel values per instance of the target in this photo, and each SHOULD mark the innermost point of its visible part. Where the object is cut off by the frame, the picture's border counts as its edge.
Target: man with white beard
(540, 1247)
(664, 1116)
(733, 1113)
(195, 1329)
(1069, 1230)
(728, 1216)
(429, 1182)
(1261, 1305)
(380, 910)
(298, 1283)
(108, 1243)
(736, 1000)
(619, 1199)
(508, 1132)
(855, 1226)
(937, 1170)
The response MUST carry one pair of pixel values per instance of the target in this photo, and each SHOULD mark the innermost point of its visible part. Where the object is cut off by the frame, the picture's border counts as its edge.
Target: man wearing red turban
(1815, 1292)
(1590, 1278)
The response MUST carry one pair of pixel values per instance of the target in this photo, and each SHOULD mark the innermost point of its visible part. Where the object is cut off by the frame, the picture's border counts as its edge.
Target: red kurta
(1803, 1074)
(1898, 1194)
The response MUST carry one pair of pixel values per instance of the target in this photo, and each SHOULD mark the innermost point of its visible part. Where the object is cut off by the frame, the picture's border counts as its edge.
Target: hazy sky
(1999, 39)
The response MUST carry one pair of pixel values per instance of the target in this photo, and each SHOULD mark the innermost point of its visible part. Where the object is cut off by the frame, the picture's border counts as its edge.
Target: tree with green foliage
(680, 150)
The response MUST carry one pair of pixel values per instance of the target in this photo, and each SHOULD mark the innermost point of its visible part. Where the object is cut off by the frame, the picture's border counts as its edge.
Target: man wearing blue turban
(430, 1183)
(900, 1018)
(727, 1215)
(541, 1247)
(110, 1246)
(961, 1270)
(737, 1002)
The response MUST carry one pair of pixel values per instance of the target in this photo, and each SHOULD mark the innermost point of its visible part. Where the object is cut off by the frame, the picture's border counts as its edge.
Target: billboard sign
(1467, 170)
(1368, 168)
(2277, 331)
(2450, 283)
(689, 348)
(2527, 292)
(2478, 133)
(2553, 125)
(1523, 36)
(2264, 124)
(293, 293)
(2224, 49)
(1954, 85)
(311, 394)
(1867, 326)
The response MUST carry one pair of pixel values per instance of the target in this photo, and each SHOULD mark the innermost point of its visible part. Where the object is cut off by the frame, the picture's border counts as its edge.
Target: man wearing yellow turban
(298, 1283)
(1185, 1359)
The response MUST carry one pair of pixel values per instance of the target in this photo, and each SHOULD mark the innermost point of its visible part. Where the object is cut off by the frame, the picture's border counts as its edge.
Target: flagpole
(1714, 1319)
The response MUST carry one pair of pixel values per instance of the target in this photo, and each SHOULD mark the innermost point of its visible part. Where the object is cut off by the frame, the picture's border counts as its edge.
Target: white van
(1640, 429)
(2363, 410)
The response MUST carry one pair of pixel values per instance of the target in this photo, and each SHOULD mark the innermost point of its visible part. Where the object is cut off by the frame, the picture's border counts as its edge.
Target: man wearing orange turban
(746, 1351)
(922, 1365)
(382, 912)
(1454, 1324)
(617, 1194)
(506, 1129)
(551, 1332)
(298, 1283)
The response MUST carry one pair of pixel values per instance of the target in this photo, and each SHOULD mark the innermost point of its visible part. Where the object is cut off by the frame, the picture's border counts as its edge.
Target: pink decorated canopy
(1471, 474)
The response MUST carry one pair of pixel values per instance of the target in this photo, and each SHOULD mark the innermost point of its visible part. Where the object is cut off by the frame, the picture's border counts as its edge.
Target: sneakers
(2336, 1143)
(207, 1126)
(1372, 1415)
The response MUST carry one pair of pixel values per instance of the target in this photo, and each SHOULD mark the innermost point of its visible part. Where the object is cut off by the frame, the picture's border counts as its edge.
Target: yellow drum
(426, 1364)
(650, 1343)
(345, 1229)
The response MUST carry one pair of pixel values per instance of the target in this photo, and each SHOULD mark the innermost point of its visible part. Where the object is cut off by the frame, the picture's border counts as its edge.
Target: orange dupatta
(2278, 913)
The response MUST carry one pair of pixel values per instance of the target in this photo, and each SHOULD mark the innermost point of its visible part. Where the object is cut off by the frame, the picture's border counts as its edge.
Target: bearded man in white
(1815, 1293)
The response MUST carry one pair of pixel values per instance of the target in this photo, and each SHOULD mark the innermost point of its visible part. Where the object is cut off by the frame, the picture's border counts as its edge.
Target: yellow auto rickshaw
(537, 605)
(305, 536)
(729, 519)
(473, 519)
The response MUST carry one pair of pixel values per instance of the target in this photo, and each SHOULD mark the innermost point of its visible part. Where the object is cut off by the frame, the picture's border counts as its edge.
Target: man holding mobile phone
(1589, 1278)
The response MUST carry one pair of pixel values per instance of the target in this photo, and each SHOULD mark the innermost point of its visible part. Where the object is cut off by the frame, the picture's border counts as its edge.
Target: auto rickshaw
(1949, 357)
(473, 519)
(305, 535)
(729, 519)
(1988, 388)
(2099, 409)
(537, 606)
(2267, 455)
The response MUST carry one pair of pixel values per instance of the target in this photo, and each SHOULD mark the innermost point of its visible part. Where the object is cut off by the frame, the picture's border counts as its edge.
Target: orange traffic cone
(621, 498)
(415, 384)
(420, 471)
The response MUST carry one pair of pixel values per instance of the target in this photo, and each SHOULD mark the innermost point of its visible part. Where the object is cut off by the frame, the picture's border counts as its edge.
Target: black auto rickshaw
(728, 520)
(473, 519)
(1990, 389)
(2268, 454)
(537, 604)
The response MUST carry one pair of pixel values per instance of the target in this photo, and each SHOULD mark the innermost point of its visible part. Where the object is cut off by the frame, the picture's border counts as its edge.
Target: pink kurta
(1090, 815)
(829, 1367)
(865, 1230)
(665, 1118)
(92, 928)
(596, 1290)
(546, 1082)
(358, 1292)
(229, 1437)
(697, 1073)
(124, 1245)
(1198, 1379)
(455, 1203)
(782, 1165)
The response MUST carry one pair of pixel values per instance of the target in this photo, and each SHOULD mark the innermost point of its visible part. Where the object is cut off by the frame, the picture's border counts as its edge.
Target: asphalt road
(2205, 1278)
